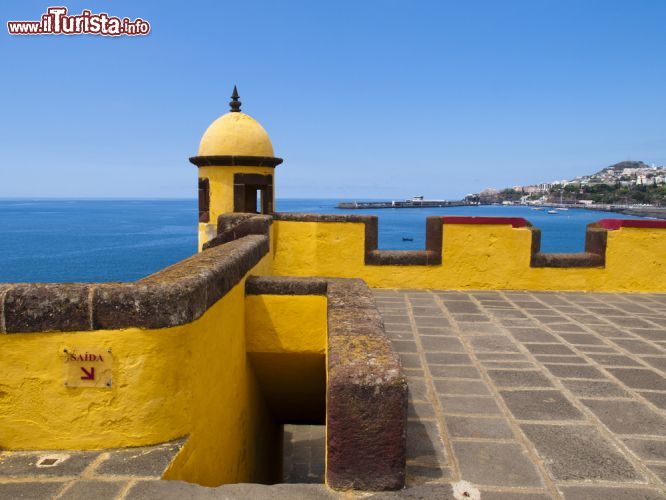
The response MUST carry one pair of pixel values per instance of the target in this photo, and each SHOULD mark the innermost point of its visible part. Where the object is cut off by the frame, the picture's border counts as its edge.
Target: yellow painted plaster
(150, 401)
(286, 343)
(475, 256)
(286, 323)
(233, 437)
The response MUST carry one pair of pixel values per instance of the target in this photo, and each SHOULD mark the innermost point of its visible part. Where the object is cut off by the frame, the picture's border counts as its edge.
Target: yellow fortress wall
(190, 380)
(474, 256)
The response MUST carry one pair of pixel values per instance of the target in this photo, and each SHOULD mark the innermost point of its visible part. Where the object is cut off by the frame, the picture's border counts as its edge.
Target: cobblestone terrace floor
(534, 395)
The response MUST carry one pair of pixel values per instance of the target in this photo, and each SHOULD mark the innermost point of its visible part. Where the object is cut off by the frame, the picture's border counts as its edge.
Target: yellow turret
(236, 165)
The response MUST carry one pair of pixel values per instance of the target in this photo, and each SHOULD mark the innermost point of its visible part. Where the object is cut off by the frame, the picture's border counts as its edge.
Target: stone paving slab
(106, 474)
(304, 450)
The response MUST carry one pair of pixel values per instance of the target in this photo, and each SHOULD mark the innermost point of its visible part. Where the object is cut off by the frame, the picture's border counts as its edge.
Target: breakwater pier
(413, 203)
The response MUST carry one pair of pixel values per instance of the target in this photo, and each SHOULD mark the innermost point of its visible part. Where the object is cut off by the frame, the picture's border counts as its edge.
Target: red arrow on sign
(90, 375)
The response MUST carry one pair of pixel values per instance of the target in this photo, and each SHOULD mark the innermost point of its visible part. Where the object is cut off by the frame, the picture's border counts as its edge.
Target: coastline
(654, 212)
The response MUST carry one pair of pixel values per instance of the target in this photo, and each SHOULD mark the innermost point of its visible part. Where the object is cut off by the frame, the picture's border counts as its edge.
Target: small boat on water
(537, 208)
(407, 238)
(563, 208)
(552, 212)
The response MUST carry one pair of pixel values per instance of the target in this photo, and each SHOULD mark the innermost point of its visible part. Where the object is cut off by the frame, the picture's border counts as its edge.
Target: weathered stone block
(148, 306)
(283, 285)
(366, 433)
(60, 307)
(366, 395)
(180, 293)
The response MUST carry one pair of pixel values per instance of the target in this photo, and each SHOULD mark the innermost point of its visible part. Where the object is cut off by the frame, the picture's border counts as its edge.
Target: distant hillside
(624, 183)
(618, 167)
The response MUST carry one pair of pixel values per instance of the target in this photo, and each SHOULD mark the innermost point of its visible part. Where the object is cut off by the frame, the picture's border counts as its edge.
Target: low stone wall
(176, 295)
(366, 395)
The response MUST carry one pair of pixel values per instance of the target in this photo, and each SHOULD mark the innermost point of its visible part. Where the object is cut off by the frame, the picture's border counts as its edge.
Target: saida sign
(88, 367)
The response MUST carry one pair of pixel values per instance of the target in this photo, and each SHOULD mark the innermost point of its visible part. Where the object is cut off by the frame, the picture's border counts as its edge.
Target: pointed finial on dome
(235, 104)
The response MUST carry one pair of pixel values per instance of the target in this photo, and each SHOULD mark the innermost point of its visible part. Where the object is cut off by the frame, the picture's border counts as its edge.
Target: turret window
(253, 193)
(204, 200)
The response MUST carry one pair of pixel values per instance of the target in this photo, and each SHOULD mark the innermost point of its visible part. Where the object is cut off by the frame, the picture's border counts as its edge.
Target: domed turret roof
(235, 134)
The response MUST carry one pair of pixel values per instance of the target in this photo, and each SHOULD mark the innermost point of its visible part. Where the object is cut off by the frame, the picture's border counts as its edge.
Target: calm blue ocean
(122, 240)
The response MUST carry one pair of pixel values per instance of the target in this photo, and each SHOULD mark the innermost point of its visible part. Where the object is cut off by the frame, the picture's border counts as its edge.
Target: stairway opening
(304, 450)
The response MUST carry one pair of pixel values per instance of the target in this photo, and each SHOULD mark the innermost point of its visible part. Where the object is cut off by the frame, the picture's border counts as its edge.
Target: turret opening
(204, 200)
(304, 453)
(253, 193)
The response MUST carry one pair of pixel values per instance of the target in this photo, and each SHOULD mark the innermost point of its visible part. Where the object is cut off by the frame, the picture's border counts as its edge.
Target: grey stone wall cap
(46, 307)
(285, 285)
(173, 296)
(366, 398)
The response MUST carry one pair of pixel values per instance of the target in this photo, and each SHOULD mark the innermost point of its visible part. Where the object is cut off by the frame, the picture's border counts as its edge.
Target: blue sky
(363, 99)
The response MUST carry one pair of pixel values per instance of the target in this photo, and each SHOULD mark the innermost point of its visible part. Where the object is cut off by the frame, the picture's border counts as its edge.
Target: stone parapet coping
(173, 296)
(613, 224)
(285, 285)
(366, 395)
(366, 401)
(235, 161)
(593, 256)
